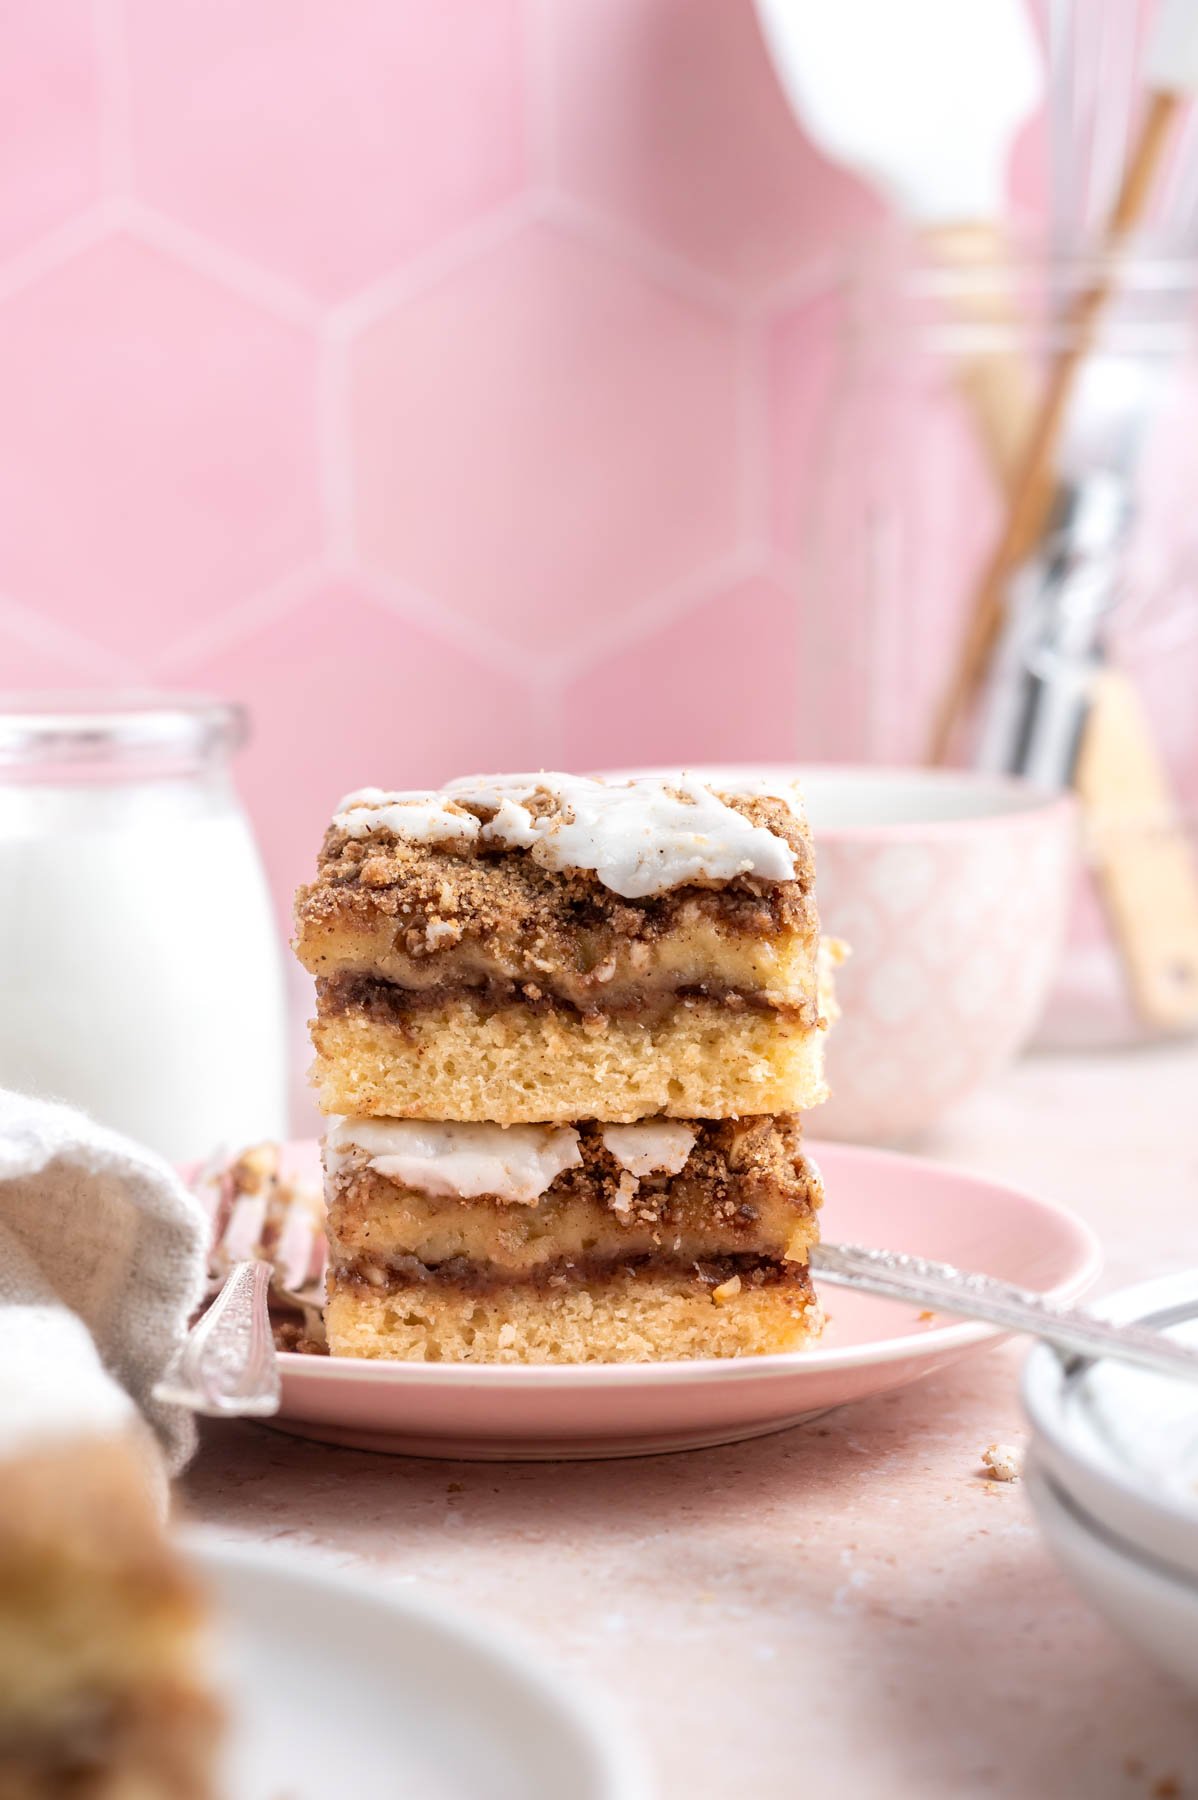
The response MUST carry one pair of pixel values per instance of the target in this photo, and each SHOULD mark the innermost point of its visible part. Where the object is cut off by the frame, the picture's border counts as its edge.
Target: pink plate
(544, 1413)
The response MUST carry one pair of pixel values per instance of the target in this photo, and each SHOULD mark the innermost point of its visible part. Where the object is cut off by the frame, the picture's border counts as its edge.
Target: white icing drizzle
(512, 826)
(421, 818)
(651, 1147)
(515, 1162)
(639, 837)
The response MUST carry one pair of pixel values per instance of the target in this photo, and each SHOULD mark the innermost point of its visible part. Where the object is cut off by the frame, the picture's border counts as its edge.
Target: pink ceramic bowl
(952, 889)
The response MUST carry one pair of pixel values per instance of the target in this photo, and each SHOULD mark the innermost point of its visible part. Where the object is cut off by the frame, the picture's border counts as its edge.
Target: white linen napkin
(102, 1263)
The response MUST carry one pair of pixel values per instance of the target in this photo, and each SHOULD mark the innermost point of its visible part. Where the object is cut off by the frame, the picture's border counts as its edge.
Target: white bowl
(1119, 1442)
(1156, 1607)
(952, 889)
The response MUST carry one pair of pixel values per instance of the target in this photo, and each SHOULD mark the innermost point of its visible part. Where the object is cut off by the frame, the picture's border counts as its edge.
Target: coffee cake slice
(580, 1243)
(103, 1689)
(524, 949)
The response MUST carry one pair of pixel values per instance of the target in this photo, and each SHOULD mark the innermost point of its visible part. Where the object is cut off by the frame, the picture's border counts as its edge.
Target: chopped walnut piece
(625, 1194)
(441, 931)
(727, 1290)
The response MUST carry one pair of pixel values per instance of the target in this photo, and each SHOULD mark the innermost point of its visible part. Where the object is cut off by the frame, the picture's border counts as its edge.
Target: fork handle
(227, 1366)
(894, 1276)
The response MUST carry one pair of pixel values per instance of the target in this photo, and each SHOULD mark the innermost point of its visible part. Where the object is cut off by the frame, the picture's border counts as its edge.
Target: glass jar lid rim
(84, 725)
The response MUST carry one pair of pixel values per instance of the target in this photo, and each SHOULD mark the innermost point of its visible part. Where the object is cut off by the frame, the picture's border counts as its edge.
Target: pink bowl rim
(1037, 805)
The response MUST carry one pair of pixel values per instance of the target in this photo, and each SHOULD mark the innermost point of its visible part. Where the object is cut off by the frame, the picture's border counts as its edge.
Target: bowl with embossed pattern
(951, 889)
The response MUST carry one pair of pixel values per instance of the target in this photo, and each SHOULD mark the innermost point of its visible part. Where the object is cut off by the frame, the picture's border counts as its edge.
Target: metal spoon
(894, 1276)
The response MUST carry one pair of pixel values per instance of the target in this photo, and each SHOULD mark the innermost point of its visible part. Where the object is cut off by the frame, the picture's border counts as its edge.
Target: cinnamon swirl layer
(600, 895)
(494, 1205)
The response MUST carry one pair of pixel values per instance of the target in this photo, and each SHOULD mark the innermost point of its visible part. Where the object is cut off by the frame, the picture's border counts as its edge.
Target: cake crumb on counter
(1002, 1462)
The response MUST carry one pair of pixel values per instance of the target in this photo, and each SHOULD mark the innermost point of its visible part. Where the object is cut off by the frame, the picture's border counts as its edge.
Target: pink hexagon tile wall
(718, 684)
(158, 443)
(346, 693)
(806, 353)
(324, 140)
(28, 660)
(50, 104)
(520, 319)
(667, 114)
(545, 438)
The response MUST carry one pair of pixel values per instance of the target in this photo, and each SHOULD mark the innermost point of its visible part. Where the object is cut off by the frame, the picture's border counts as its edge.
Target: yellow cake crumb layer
(627, 1317)
(520, 1065)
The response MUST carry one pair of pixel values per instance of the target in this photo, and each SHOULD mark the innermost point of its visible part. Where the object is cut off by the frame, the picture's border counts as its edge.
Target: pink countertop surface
(848, 1607)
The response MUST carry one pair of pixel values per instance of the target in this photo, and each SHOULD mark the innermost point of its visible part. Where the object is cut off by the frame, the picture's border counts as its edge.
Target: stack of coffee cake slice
(566, 1028)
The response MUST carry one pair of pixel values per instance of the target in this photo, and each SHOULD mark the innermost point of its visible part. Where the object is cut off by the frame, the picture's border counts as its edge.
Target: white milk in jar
(140, 966)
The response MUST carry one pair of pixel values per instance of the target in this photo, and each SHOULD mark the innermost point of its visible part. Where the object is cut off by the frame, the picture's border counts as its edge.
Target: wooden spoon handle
(1141, 854)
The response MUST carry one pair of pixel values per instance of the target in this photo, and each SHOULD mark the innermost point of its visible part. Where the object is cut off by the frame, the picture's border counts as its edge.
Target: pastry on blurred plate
(103, 1686)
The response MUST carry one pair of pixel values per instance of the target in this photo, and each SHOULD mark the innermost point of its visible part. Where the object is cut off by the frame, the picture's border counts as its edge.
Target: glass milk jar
(140, 968)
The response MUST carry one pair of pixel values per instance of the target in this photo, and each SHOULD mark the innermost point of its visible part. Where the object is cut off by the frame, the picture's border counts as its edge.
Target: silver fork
(272, 1219)
(227, 1366)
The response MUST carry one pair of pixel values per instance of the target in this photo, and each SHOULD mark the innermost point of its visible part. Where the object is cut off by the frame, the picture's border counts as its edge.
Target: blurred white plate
(337, 1686)
(1154, 1606)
